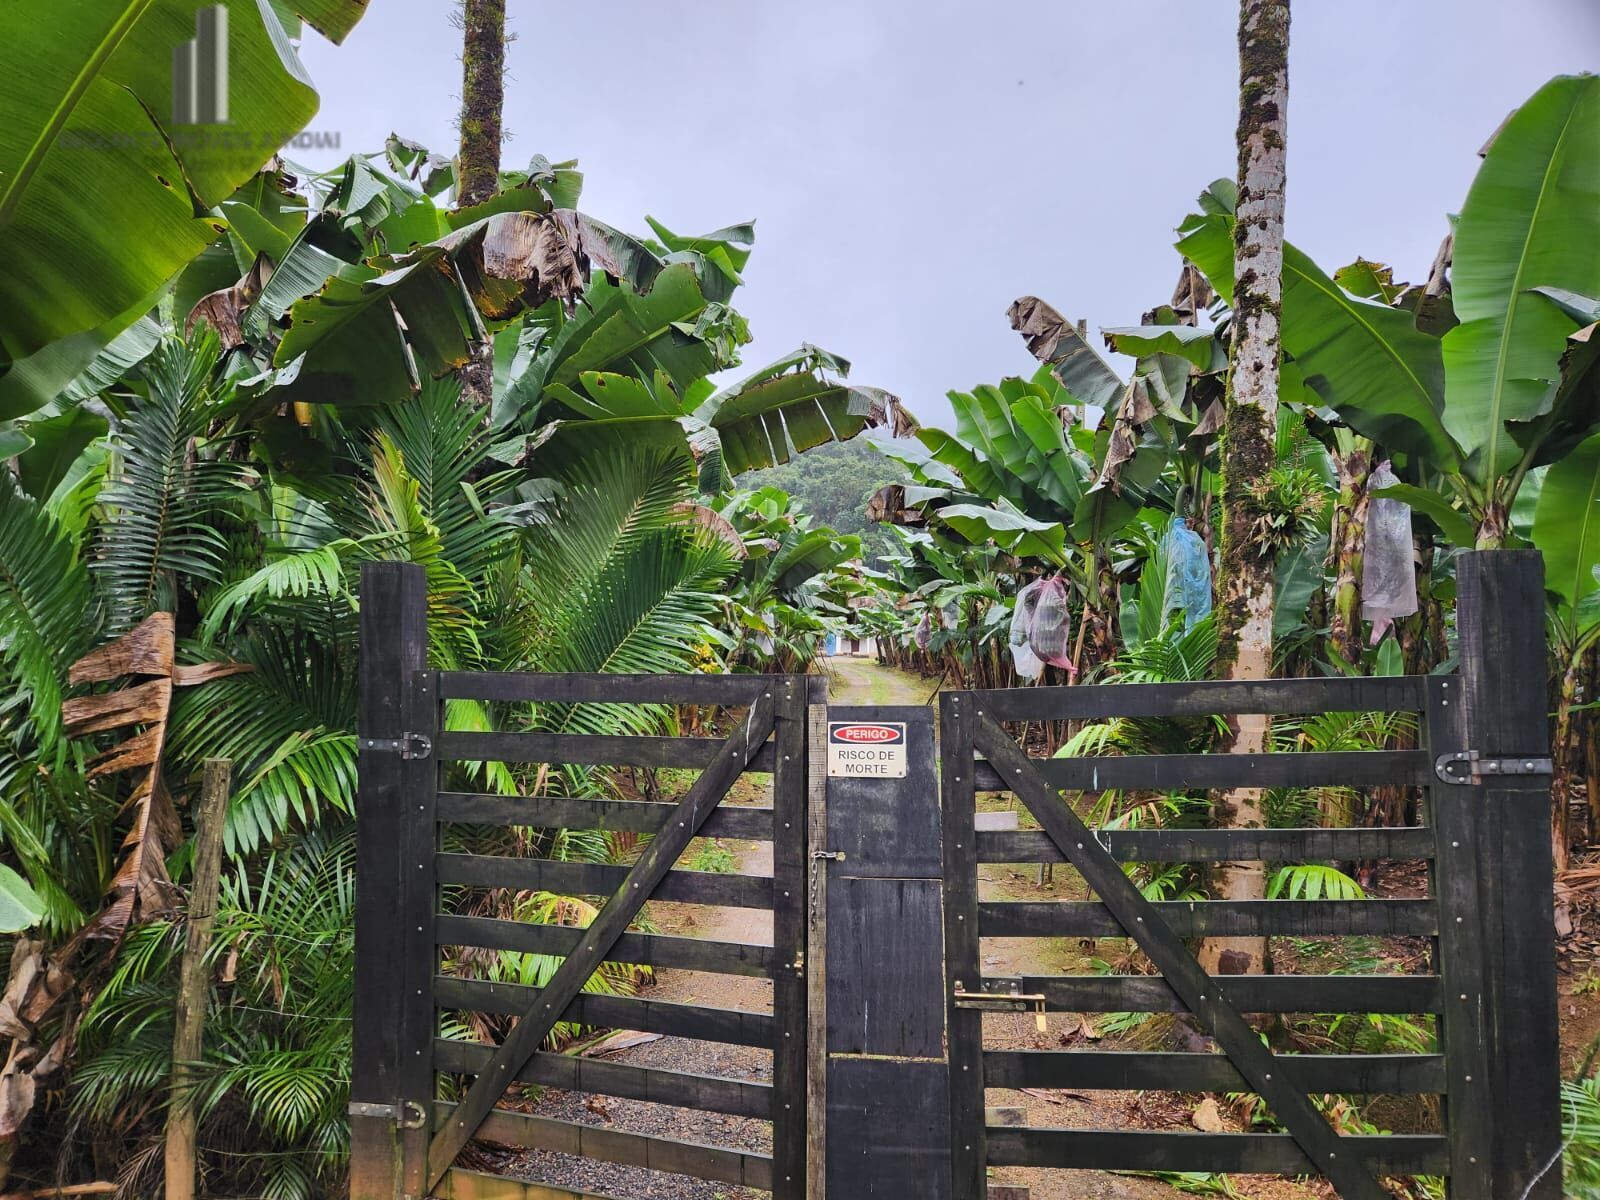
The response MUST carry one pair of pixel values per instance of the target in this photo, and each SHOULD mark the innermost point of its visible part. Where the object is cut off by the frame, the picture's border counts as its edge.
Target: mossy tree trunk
(483, 64)
(483, 69)
(1246, 591)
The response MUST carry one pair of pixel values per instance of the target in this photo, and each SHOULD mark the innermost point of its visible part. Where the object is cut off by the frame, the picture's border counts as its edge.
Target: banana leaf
(768, 424)
(1054, 340)
(1196, 346)
(1566, 523)
(20, 906)
(102, 198)
(372, 331)
(1013, 531)
(1530, 221)
(1369, 363)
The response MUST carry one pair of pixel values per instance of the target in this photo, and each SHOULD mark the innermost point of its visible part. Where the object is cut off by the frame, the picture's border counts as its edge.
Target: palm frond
(619, 583)
(47, 615)
(287, 727)
(443, 444)
(321, 571)
(164, 488)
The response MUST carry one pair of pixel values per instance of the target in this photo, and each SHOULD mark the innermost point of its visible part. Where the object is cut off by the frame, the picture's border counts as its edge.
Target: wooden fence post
(394, 646)
(1500, 624)
(816, 1124)
(194, 980)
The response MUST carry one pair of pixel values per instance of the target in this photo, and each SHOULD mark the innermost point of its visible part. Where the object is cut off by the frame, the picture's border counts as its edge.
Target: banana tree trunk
(1350, 523)
(1493, 525)
(1566, 763)
(1591, 740)
(1249, 440)
(1422, 637)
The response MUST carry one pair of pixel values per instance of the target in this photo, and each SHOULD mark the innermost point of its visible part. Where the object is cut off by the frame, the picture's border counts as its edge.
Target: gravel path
(676, 1054)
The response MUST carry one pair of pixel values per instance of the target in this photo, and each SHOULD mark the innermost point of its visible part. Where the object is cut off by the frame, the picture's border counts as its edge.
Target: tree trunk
(1565, 757)
(1249, 436)
(483, 62)
(483, 65)
(1344, 632)
(194, 979)
(1591, 741)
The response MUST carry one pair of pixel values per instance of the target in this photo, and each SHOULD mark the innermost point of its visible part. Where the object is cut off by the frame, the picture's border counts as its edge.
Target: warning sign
(867, 749)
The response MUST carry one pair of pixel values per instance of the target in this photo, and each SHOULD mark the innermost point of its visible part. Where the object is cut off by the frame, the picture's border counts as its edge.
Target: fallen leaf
(1207, 1117)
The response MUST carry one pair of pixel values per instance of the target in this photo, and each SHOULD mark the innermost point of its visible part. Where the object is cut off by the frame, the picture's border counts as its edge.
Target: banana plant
(334, 307)
(792, 588)
(1027, 472)
(100, 181)
(1479, 387)
(1566, 529)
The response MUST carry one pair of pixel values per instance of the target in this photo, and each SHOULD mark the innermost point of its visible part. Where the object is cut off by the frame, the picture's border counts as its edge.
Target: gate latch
(409, 745)
(1468, 766)
(408, 1114)
(1013, 1001)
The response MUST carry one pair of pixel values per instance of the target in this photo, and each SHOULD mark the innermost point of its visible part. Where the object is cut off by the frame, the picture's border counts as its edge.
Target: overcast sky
(915, 165)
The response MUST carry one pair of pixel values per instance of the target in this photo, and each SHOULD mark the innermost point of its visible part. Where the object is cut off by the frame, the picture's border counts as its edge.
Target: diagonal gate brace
(513, 1054)
(1182, 973)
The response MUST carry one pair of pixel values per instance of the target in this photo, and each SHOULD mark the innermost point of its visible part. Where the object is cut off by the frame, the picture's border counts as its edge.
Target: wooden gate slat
(718, 1163)
(1247, 993)
(1189, 772)
(563, 812)
(599, 879)
(1459, 954)
(1215, 918)
(962, 951)
(735, 1026)
(644, 949)
(1381, 844)
(1293, 1109)
(574, 1073)
(595, 749)
(1172, 1071)
(1244, 1153)
(788, 891)
(525, 1037)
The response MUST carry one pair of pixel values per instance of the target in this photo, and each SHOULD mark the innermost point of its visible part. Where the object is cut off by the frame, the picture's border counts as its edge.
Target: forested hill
(833, 482)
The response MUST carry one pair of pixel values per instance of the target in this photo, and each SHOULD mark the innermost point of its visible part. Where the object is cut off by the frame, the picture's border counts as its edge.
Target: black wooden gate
(405, 1140)
(1483, 770)
(879, 1064)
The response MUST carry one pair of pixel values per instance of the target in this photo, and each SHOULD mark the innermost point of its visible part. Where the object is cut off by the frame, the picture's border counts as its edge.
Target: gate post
(1500, 609)
(888, 1070)
(394, 646)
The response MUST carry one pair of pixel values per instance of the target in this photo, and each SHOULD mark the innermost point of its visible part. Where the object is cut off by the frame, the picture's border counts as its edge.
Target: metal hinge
(410, 745)
(1468, 766)
(408, 1114)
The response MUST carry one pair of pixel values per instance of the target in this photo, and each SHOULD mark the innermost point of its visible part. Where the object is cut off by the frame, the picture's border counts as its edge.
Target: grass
(711, 855)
